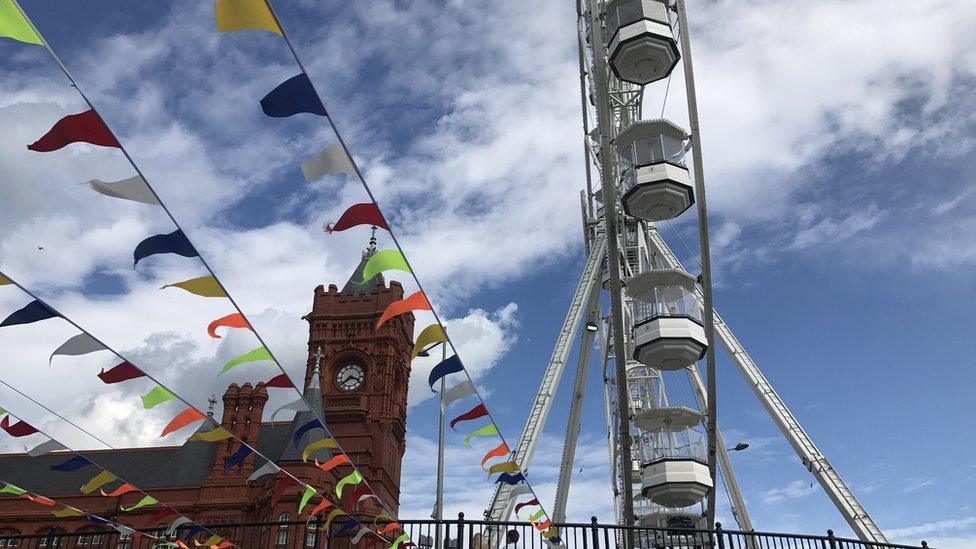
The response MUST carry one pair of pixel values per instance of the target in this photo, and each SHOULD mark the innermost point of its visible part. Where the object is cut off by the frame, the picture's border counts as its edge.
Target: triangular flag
(296, 405)
(124, 489)
(279, 489)
(358, 214)
(334, 462)
(384, 260)
(318, 445)
(11, 489)
(145, 501)
(85, 127)
(173, 243)
(332, 515)
(332, 159)
(237, 457)
(37, 498)
(4, 281)
(519, 506)
(67, 512)
(280, 381)
(45, 447)
(34, 311)
(352, 478)
(213, 435)
(510, 479)
(133, 188)
(14, 24)
(204, 286)
(19, 429)
(120, 373)
(359, 535)
(236, 15)
(430, 335)
(97, 481)
(459, 391)
(81, 344)
(487, 430)
(307, 495)
(322, 506)
(450, 365)
(293, 96)
(213, 539)
(497, 451)
(254, 355)
(346, 526)
(180, 521)
(399, 540)
(417, 301)
(183, 419)
(297, 436)
(473, 413)
(538, 515)
(72, 464)
(233, 320)
(506, 467)
(156, 396)
(268, 468)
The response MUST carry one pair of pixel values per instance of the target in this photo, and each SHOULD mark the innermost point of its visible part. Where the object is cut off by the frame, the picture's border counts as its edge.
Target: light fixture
(738, 447)
(424, 354)
(591, 326)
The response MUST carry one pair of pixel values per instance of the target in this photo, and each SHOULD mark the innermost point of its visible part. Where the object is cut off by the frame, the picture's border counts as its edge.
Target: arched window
(51, 539)
(7, 542)
(282, 538)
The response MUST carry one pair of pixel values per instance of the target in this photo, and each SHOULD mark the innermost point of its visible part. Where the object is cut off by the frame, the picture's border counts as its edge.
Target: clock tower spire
(362, 372)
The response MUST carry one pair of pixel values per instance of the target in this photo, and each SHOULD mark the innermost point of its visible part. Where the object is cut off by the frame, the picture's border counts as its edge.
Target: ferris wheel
(664, 453)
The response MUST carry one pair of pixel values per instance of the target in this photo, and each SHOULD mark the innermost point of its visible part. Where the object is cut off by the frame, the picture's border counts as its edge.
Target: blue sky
(837, 144)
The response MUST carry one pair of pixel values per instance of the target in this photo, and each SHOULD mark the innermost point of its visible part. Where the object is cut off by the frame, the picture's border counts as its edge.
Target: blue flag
(297, 437)
(73, 464)
(345, 527)
(292, 96)
(32, 312)
(449, 366)
(172, 243)
(237, 457)
(510, 479)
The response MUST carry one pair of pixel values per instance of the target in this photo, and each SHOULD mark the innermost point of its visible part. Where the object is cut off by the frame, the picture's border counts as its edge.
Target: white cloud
(796, 489)
(915, 484)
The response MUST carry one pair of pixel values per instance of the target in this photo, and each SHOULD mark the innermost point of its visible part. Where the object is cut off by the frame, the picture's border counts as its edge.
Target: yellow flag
(236, 15)
(96, 482)
(204, 286)
(212, 540)
(67, 512)
(507, 467)
(4, 280)
(212, 436)
(431, 334)
(317, 445)
(14, 25)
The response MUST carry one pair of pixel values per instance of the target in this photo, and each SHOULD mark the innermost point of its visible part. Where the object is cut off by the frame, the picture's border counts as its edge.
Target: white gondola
(668, 332)
(675, 472)
(641, 44)
(657, 184)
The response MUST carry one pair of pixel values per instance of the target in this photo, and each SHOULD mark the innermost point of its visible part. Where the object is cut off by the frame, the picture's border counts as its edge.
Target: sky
(837, 140)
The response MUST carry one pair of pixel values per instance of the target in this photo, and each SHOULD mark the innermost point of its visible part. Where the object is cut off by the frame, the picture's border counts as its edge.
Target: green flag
(11, 489)
(14, 25)
(384, 260)
(309, 492)
(148, 500)
(261, 353)
(158, 395)
(489, 429)
(352, 478)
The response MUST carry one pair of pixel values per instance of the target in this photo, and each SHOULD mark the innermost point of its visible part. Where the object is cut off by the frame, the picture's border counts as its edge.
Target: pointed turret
(313, 396)
(355, 284)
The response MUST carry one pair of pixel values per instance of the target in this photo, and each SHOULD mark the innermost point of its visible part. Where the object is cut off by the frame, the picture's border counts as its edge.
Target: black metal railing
(455, 534)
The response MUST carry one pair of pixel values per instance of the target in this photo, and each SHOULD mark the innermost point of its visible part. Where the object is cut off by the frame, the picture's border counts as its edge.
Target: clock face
(350, 377)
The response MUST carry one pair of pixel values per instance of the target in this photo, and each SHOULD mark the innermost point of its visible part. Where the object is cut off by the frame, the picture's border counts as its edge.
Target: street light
(738, 447)
(591, 326)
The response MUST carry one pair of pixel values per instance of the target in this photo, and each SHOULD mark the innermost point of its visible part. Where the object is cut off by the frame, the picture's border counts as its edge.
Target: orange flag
(233, 320)
(389, 527)
(39, 499)
(498, 451)
(325, 504)
(124, 489)
(333, 463)
(182, 419)
(415, 302)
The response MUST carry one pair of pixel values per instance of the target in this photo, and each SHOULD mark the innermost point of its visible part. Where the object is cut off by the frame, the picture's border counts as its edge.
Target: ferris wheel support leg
(575, 410)
(739, 510)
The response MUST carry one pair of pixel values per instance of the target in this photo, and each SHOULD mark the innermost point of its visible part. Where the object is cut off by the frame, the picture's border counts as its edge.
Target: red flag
(39, 499)
(124, 489)
(233, 320)
(358, 214)
(415, 302)
(473, 413)
(165, 512)
(521, 505)
(352, 496)
(280, 381)
(182, 419)
(86, 127)
(19, 429)
(279, 489)
(122, 372)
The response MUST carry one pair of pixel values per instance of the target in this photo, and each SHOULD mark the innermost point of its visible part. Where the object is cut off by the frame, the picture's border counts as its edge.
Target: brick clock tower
(364, 373)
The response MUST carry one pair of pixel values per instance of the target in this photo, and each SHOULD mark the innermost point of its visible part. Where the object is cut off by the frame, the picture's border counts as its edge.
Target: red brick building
(359, 382)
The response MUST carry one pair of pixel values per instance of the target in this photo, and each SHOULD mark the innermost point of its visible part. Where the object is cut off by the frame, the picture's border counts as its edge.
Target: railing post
(596, 533)
(718, 534)
(460, 523)
(318, 531)
(925, 545)
(831, 540)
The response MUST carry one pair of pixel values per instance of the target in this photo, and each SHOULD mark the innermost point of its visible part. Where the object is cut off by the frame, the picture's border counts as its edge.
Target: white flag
(133, 188)
(332, 159)
(81, 344)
